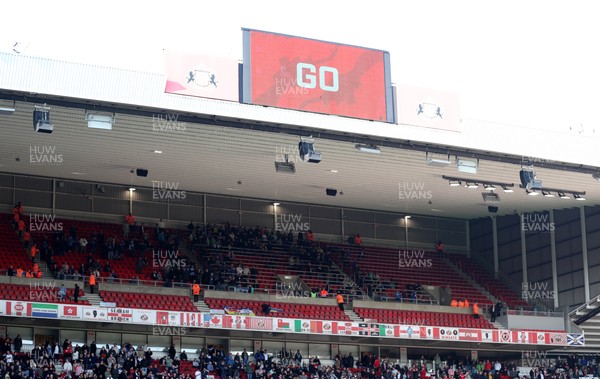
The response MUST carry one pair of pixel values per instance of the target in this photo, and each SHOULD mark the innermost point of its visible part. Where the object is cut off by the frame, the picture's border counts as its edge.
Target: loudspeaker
(141, 172)
(493, 209)
(331, 192)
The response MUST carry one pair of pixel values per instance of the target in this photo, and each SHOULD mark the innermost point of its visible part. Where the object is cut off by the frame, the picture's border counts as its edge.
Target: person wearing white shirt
(198, 374)
(9, 357)
(67, 367)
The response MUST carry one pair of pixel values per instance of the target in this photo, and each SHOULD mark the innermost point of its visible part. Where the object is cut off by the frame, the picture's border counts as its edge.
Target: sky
(530, 63)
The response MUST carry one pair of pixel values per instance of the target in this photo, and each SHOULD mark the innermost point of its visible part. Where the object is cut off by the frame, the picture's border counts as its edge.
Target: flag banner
(276, 310)
(283, 325)
(469, 335)
(520, 336)
(449, 334)
(45, 310)
(95, 314)
(212, 321)
(18, 308)
(238, 311)
(162, 318)
(487, 335)
(575, 339)
(70, 311)
(504, 336)
(301, 326)
(119, 314)
(558, 339)
(241, 322)
(327, 327)
(427, 332)
(190, 319)
(258, 323)
(144, 316)
(368, 329)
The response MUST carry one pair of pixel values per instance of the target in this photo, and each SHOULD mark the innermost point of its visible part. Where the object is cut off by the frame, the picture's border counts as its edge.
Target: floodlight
(98, 121)
(41, 119)
(366, 148)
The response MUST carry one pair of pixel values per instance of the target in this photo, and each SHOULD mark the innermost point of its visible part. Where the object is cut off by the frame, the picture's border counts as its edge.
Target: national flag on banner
(301, 326)
(18, 308)
(283, 324)
(520, 336)
(316, 327)
(120, 314)
(368, 329)
(347, 328)
(504, 336)
(389, 330)
(162, 318)
(45, 310)
(558, 338)
(70, 311)
(212, 321)
(258, 323)
(469, 335)
(327, 327)
(487, 335)
(575, 339)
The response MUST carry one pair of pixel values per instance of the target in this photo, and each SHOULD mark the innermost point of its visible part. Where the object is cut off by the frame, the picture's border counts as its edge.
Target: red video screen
(315, 76)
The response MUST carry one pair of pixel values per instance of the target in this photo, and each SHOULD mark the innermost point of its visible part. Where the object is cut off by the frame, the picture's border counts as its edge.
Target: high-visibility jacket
(466, 303)
(21, 225)
(92, 280)
(454, 303)
(323, 293)
(34, 251)
(196, 289)
(475, 309)
(340, 298)
(19, 272)
(461, 304)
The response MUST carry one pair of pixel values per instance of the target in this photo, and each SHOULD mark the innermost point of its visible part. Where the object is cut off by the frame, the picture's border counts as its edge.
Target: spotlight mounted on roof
(367, 148)
(285, 167)
(41, 119)
(307, 151)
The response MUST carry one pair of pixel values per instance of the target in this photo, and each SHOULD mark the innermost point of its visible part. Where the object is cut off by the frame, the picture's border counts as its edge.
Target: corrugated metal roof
(144, 89)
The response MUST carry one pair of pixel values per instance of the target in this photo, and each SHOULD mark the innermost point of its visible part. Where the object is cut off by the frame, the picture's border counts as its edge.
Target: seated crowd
(54, 360)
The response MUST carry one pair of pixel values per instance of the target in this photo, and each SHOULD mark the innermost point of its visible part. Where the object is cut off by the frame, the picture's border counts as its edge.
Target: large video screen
(315, 76)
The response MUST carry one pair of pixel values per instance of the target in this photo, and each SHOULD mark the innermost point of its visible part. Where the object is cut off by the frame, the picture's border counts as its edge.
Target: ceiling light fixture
(532, 192)
(367, 148)
(489, 185)
(547, 194)
(578, 197)
(99, 121)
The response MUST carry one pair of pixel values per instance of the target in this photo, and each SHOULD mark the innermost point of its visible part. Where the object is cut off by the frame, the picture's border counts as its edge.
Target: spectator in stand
(129, 221)
(76, 293)
(196, 292)
(82, 244)
(340, 301)
(475, 310)
(357, 240)
(323, 293)
(454, 303)
(439, 247)
(92, 282)
(62, 293)
(34, 251)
